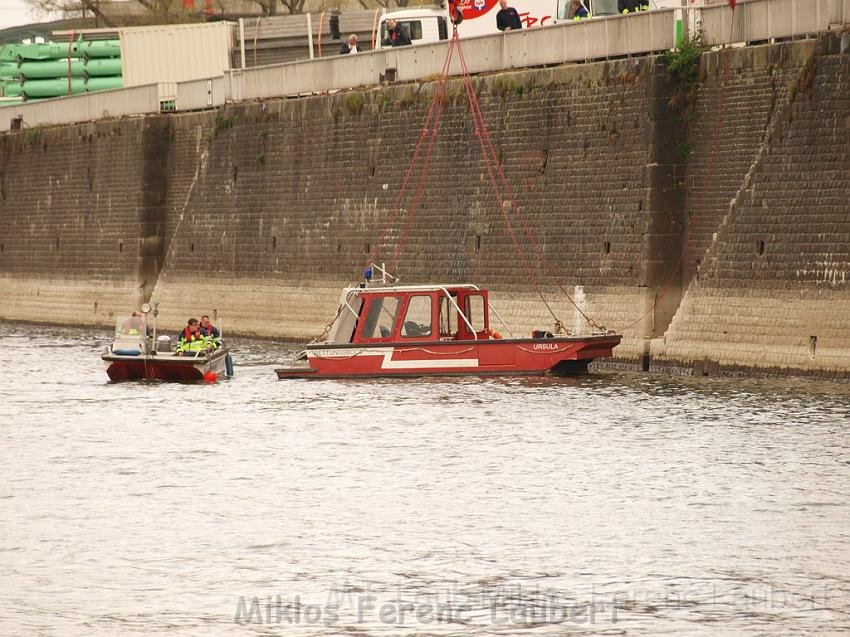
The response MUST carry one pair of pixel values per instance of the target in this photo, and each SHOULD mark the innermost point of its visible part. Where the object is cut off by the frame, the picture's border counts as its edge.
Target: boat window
(417, 321)
(475, 311)
(448, 316)
(346, 323)
(380, 317)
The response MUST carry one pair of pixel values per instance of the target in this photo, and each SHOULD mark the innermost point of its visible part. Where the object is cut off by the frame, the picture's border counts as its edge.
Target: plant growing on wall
(683, 66)
(353, 103)
(221, 125)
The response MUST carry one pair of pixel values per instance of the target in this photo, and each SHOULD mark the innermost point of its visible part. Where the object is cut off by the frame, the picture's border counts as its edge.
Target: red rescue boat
(424, 330)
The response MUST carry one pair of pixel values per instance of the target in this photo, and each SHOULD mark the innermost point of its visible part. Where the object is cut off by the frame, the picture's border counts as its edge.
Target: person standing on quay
(350, 45)
(397, 34)
(507, 19)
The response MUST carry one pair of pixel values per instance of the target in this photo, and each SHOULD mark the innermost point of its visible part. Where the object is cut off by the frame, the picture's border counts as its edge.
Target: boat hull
(509, 357)
(165, 367)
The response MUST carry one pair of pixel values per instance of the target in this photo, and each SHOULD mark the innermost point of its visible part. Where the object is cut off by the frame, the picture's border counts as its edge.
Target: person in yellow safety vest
(134, 325)
(578, 11)
(191, 339)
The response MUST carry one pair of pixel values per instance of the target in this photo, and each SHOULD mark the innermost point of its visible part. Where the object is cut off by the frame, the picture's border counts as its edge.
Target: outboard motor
(163, 343)
(541, 334)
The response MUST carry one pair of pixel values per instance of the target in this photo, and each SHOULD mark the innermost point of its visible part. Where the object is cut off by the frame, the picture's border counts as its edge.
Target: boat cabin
(412, 313)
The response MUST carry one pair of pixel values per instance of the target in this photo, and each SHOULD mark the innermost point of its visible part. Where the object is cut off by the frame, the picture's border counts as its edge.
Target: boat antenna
(155, 314)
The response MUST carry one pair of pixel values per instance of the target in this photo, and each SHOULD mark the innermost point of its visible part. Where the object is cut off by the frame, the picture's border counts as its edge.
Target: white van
(423, 25)
(479, 17)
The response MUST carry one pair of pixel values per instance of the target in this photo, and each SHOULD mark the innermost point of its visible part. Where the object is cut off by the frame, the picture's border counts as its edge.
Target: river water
(606, 504)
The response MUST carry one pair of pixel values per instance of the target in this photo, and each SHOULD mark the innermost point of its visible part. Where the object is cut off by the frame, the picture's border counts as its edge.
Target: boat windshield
(129, 326)
(417, 320)
(380, 317)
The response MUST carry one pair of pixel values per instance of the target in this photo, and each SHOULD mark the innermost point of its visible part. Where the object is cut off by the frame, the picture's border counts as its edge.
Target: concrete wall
(259, 213)
(79, 212)
(769, 199)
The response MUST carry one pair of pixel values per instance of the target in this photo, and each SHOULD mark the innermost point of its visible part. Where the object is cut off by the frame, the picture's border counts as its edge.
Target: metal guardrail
(763, 20)
(569, 42)
(640, 33)
(82, 108)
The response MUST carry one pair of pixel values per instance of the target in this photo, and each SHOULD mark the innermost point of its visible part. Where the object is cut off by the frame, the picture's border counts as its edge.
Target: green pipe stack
(41, 70)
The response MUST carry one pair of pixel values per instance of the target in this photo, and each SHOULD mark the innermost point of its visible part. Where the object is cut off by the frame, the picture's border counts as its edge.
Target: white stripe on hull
(388, 363)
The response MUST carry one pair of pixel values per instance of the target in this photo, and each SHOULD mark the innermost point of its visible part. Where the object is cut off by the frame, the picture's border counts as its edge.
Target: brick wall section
(773, 291)
(741, 93)
(69, 222)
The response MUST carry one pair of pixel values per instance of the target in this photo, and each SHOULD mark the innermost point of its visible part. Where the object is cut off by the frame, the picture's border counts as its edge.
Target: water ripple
(600, 505)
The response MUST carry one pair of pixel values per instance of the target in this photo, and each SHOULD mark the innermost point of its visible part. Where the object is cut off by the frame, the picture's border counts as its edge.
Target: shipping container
(175, 52)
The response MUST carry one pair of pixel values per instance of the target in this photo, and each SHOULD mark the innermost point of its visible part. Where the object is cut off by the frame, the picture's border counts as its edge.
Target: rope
(428, 351)
(491, 159)
(328, 327)
(429, 132)
(546, 351)
(518, 213)
(438, 101)
(435, 106)
(501, 189)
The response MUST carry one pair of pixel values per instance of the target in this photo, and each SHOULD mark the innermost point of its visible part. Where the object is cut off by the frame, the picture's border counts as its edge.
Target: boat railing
(410, 288)
(501, 320)
(461, 312)
(386, 277)
(350, 309)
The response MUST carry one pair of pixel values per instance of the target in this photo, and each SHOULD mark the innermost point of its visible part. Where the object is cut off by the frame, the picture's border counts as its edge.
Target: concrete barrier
(83, 108)
(603, 38)
(761, 20)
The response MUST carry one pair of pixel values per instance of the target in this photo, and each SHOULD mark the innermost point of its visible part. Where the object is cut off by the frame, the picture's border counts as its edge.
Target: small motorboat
(137, 353)
(424, 330)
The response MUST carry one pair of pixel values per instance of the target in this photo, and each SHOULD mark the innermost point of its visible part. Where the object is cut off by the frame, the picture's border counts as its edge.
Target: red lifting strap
(515, 223)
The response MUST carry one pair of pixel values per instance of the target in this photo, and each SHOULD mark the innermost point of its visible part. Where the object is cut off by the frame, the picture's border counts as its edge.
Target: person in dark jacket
(207, 328)
(578, 11)
(350, 45)
(397, 34)
(507, 19)
(630, 6)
